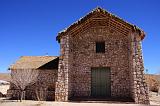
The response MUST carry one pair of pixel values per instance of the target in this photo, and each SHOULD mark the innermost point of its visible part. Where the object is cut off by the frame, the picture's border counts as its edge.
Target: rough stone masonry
(123, 55)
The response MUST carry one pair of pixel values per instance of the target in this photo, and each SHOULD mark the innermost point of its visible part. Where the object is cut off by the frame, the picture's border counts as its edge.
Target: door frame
(107, 68)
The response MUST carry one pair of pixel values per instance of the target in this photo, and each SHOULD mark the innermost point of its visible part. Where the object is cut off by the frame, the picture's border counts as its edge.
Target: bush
(153, 82)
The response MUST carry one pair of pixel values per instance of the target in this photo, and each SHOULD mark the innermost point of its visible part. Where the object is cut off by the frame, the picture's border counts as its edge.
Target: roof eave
(139, 31)
(12, 69)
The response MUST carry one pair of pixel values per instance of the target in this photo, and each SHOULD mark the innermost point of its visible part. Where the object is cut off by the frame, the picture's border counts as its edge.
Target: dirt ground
(3, 88)
(154, 100)
(44, 103)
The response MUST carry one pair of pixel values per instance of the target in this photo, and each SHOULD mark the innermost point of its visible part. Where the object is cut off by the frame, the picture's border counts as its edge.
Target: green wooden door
(101, 82)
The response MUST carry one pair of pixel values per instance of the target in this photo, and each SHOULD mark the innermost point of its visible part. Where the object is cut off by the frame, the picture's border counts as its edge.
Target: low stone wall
(31, 95)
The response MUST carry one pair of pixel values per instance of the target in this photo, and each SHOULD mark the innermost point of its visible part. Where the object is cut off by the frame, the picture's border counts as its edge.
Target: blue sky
(30, 27)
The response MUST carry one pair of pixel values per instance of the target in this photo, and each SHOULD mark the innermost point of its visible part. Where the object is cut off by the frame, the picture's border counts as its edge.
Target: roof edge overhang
(140, 32)
(11, 66)
(54, 65)
(22, 68)
(98, 9)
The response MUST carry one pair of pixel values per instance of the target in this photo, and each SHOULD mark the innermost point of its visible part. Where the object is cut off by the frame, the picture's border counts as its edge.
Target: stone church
(100, 58)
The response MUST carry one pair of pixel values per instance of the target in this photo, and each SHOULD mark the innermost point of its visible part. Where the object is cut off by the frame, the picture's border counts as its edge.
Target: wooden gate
(100, 82)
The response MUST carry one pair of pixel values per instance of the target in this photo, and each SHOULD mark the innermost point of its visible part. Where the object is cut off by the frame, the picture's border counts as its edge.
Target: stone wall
(139, 87)
(84, 57)
(45, 83)
(122, 54)
(61, 93)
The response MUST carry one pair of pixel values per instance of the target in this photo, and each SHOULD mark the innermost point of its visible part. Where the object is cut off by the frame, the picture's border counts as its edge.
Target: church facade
(101, 57)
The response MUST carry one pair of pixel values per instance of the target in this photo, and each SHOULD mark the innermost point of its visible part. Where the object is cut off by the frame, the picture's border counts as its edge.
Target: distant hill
(5, 76)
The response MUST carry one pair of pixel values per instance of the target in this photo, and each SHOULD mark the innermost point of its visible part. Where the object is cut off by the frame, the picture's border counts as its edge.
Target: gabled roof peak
(101, 11)
(98, 9)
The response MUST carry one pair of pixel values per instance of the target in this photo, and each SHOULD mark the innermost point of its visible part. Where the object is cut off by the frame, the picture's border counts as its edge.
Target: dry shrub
(153, 82)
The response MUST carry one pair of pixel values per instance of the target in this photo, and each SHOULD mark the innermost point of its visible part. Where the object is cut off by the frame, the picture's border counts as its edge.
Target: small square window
(100, 47)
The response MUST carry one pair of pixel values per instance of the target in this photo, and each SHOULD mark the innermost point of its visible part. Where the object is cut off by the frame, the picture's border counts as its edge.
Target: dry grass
(153, 82)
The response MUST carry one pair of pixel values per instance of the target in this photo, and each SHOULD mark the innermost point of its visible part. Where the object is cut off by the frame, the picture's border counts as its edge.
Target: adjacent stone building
(100, 58)
(44, 86)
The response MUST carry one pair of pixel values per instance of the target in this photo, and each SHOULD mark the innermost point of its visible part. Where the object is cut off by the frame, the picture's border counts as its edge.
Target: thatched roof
(99, 10)
(32, 62)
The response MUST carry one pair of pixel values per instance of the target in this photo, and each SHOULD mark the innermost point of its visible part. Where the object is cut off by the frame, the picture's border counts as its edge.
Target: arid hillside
(5, 76)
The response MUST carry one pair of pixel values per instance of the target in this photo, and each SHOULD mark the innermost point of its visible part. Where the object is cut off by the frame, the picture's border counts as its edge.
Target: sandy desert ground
(4, 102)
(44, 103)
(154, 99)
(3, 88)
